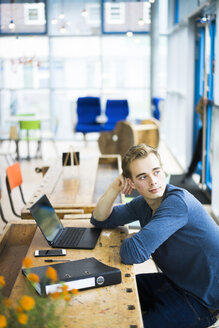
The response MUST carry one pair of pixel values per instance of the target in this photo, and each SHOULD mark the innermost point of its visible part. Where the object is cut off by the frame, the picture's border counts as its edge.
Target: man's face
(148, 178)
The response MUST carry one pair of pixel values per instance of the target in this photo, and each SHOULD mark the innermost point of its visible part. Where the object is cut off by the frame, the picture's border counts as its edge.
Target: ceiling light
(84, 13)
(11, 25)
(54, 21)
(203, 19)
(141, 22)
(63, 29)
(129, 34)
(62, 15)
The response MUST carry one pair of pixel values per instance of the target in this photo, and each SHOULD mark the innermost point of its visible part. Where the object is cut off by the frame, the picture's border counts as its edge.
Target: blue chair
(156, 111)
(88, 108)
(116, 110)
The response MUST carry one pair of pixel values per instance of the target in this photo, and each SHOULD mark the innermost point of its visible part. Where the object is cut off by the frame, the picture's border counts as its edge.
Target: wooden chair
(8, 153)
(13, 180)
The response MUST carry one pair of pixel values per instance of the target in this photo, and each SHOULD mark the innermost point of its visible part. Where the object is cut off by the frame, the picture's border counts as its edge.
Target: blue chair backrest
(88, 108)
(116, 110)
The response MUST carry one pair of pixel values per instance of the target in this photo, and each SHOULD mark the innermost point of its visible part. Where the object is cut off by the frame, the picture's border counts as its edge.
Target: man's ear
(131, 184)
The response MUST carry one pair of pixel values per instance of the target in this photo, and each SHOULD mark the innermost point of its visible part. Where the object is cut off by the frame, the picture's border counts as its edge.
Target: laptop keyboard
(71, 237)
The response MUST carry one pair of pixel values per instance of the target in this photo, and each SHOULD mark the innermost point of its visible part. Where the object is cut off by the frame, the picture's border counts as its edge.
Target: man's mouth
(155, 190)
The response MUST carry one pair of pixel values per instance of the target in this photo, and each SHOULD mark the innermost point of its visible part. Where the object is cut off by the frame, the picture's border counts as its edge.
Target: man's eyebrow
(140, 174)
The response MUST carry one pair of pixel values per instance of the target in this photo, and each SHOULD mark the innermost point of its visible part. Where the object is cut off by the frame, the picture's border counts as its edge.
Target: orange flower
(74, 291)
(55, 295)
(7, 302)
(33, 277)
(64, 288)
(22, 318)
(27, 262)
(3, 321)
(67, 297)
(2, 281)
(52, 274)
(19, 309)
(27, 303)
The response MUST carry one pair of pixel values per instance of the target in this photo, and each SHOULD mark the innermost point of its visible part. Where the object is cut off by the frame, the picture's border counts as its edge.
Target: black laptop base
(88, 239)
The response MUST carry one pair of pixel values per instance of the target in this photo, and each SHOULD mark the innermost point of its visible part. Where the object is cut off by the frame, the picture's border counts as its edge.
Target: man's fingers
(127, 189)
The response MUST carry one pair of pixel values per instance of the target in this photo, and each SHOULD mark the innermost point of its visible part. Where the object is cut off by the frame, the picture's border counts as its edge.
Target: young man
(177, 232)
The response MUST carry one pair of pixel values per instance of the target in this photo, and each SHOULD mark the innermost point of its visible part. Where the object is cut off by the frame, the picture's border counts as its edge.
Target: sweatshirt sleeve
(121, 214)
(124, 214)
(169, 217)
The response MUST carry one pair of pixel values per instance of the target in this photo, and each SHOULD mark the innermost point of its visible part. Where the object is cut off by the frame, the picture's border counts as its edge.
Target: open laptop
(56, 235)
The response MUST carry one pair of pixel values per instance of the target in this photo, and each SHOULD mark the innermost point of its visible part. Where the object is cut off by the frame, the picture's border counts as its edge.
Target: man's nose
(152, 179)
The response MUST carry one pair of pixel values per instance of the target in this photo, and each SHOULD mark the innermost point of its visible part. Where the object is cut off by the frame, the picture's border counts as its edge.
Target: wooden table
(111, 306)
(78, 188)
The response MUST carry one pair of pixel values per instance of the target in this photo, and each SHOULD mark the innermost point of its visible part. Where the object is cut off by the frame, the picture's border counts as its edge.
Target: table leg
(28, 146)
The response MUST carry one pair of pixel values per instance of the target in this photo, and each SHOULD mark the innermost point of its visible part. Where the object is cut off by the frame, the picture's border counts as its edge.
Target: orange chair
(13, 180)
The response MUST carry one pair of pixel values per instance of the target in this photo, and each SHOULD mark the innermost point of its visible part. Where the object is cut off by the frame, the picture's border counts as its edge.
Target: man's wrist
(114, 189)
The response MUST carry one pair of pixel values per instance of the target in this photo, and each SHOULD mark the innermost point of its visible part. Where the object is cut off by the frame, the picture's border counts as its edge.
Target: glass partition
(46, 74)
(75, 62)
(24, 62)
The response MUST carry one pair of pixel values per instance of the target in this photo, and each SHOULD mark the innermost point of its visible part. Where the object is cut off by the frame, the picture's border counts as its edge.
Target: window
(124, 16)
(22, 17)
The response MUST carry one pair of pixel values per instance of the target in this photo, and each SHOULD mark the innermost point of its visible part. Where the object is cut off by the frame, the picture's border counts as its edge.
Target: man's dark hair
(136, 152)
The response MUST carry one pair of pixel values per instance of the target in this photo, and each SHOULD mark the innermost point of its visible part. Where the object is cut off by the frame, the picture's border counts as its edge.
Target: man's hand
(121, 184)
(105, 204)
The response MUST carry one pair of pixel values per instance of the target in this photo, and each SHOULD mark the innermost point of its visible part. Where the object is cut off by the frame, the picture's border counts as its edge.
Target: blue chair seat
(109, 126)
(86, 128)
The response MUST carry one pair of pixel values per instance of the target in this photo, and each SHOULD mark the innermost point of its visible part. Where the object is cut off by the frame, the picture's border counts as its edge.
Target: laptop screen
(46, 218)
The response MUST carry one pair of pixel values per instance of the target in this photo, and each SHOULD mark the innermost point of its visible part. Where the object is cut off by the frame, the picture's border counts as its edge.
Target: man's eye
(157, 172)
(143, 177)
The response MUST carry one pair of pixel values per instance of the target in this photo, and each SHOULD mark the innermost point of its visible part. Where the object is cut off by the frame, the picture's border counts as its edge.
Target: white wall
(177, 119)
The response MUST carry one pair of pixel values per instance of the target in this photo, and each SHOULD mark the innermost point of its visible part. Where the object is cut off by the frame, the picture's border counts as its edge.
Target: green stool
(31, 126)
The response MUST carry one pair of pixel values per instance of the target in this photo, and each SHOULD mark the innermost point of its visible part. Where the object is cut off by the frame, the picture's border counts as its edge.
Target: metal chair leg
(10, 199)
(28, 146)
(2, 215)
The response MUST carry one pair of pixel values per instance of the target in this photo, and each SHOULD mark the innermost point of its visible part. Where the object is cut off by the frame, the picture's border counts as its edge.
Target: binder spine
(108, 278)
(74, 284)
(105, 279)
